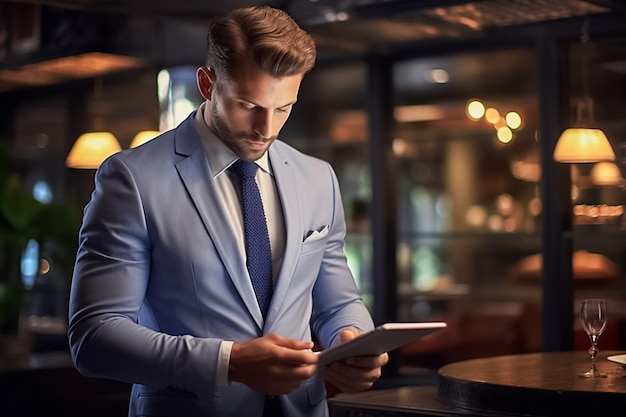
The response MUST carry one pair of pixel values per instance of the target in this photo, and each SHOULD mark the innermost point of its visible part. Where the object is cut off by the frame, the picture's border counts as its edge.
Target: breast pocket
(315, 239)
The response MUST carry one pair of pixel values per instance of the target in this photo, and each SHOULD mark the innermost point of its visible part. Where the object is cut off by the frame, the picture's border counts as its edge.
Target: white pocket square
(317, 234)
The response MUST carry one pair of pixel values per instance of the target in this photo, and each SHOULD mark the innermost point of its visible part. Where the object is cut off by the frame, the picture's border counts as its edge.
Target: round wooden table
(537, 384)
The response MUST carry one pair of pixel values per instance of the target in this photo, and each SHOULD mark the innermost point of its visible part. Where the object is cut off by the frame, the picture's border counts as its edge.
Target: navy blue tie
(258, 250)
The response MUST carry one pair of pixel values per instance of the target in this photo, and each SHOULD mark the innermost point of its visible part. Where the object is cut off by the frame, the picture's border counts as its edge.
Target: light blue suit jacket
(159, 281)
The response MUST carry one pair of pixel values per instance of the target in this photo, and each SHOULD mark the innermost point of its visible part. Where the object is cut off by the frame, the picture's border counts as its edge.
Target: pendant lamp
(143, 137)
(584, 142)
(92, 148)
(606, 174)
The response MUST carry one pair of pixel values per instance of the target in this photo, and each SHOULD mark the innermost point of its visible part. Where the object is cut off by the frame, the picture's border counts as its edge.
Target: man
(162, 296)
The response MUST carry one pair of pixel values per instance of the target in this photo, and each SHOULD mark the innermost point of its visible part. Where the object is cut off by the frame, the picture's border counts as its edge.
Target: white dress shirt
(220, 159)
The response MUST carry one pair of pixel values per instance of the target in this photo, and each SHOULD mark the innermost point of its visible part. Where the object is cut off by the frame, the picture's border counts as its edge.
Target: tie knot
(244, 169)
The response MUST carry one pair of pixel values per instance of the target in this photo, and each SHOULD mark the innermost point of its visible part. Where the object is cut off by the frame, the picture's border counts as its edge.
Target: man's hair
(263, 36)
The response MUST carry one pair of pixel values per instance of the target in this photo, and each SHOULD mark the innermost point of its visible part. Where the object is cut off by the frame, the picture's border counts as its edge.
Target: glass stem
(593, 351)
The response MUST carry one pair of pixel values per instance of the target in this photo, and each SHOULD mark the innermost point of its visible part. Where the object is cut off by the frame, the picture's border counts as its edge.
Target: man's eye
(247, 106)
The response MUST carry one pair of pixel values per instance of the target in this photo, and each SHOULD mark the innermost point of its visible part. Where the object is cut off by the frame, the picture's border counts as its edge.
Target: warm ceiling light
(581, 145)
(584, 143)
(143, 137)
(91, 148)
(606, 173)
(492, 115)
(500, 124)
(475, 109)
(504, 134)
(513, 120)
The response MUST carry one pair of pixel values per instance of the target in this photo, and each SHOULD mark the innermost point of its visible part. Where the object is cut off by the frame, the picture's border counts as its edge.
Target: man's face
(247, 110)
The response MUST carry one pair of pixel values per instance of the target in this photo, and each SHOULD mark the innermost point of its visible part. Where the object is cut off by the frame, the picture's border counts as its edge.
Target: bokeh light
(505, 135)
(492, 115)
(475, 109)
(513, 120)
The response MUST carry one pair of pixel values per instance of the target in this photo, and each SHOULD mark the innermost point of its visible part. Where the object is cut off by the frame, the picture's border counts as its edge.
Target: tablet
(384, 338)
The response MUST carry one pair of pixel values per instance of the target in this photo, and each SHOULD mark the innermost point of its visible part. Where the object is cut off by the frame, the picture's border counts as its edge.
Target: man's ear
(205, 78)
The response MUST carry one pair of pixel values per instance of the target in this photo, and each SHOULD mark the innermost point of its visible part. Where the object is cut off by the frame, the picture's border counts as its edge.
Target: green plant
(22, 218)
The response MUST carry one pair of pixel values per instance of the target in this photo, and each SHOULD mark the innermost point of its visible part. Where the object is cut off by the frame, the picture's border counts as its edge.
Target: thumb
(349, 333)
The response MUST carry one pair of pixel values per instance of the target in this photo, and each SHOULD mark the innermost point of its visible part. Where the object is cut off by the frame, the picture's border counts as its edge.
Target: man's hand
(272, 364)
(357, 373)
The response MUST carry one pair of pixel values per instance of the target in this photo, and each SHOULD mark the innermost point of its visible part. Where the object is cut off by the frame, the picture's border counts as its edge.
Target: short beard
(235, 141)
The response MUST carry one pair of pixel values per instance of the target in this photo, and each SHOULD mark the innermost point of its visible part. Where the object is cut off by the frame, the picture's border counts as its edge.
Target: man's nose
(263, 123)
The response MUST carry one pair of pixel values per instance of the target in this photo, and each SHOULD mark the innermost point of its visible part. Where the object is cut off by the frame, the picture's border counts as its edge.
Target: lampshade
(91, 148)
(143, 137)
(606, 173)
(580, 145)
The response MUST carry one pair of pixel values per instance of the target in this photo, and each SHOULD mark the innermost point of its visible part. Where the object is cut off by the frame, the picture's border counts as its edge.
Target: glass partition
(468, 200)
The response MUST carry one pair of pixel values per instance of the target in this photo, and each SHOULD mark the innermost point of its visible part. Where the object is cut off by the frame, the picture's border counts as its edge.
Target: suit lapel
(195, 173)
(289, 198)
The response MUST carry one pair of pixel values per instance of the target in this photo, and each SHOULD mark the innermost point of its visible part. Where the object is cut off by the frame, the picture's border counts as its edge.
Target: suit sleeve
(336, 301)
(109, 282)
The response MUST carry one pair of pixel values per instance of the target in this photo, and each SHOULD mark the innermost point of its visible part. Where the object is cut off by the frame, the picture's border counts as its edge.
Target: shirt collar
(219, 155)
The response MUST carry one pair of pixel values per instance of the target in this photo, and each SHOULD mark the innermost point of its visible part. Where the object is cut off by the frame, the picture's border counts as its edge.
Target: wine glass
(593, 317)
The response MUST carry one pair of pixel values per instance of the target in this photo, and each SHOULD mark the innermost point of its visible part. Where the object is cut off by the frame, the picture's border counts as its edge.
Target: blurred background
(440, 118)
